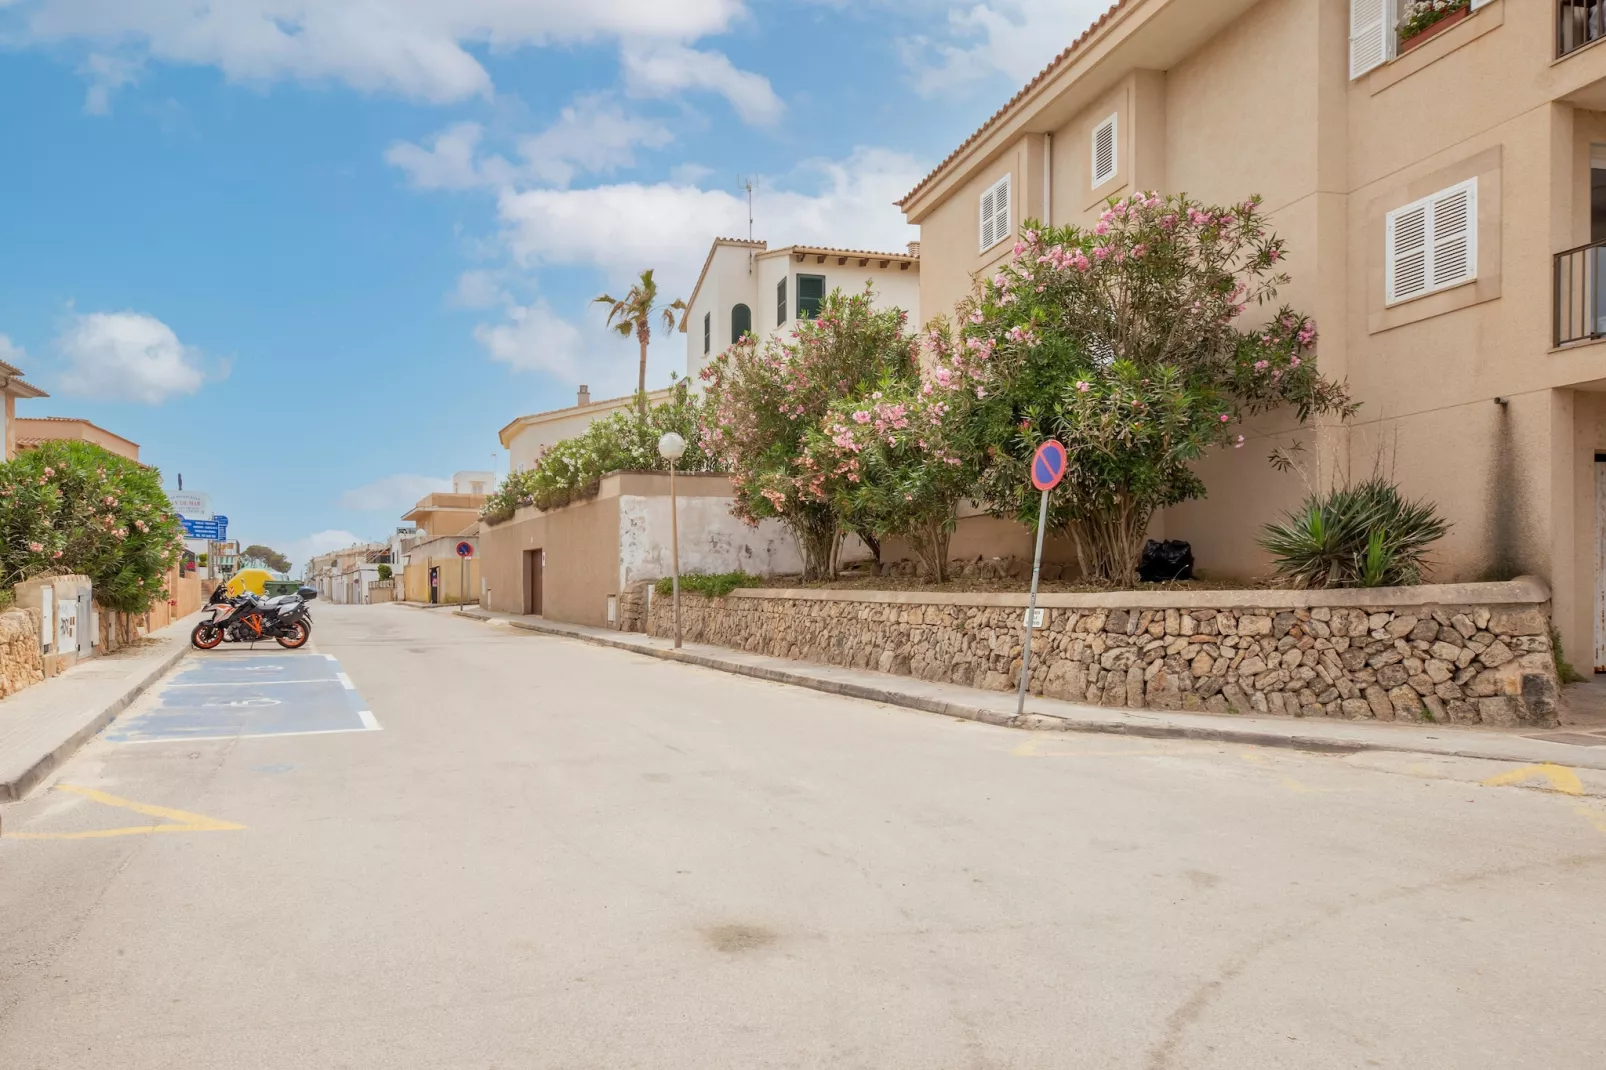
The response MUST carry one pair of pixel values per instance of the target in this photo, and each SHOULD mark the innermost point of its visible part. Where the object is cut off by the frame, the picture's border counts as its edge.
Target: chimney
(914, 248)
(585, 395)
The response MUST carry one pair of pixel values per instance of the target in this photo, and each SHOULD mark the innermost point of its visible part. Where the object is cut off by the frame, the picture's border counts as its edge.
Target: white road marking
(254, 683)
(345, 681)
(369, 719)
(255, 735)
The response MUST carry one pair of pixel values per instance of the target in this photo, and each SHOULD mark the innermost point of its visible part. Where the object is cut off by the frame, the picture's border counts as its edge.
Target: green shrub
(572, 470)
(384, 573)
(1366, 535)
(75, 507)
(717, 585)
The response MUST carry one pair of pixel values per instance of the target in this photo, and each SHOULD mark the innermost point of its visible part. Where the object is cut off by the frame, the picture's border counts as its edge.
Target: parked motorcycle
(249, 619)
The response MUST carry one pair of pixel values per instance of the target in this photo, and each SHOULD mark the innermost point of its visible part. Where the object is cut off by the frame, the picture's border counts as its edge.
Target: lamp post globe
(671, 447)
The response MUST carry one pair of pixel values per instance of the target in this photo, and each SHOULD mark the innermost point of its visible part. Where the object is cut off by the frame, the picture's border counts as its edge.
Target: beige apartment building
(528, 437)
(1440, 196)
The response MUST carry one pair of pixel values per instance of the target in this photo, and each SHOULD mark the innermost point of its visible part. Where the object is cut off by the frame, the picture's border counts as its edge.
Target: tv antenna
(747, 186)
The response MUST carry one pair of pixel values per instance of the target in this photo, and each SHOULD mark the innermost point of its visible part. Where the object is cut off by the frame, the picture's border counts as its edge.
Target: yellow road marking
(182, 820)
(1561, 778)
(1594, 817)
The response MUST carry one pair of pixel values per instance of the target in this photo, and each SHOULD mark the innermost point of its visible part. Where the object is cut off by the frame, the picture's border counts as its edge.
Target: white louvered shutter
(1104, 152)
(1432, 244)
(1480, 3)
(1371, 35)
(1454, 225)
(995, 213)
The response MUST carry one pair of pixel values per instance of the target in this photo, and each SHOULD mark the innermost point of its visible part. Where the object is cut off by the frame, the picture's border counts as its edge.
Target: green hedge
(717, 585)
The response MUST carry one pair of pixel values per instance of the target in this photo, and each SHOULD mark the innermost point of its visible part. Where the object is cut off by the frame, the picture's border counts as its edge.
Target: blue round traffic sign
(1048, 465)
(465, 549)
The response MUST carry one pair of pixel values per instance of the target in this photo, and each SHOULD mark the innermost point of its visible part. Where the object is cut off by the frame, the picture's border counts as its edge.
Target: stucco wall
(711, 540)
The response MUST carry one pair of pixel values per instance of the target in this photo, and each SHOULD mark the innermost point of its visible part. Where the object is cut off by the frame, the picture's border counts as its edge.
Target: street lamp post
(671, 447)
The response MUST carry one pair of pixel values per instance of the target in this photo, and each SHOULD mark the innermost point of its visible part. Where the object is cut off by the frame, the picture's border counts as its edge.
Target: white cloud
(1015, 38)
(593, 134)
(300, 551)
(450, 162)
(534, 338)
(393, 494)
(11, 352)
(479, 288)
(415, 48)
(106, 75)
(667, 67)
(623, 228)
(126, 356)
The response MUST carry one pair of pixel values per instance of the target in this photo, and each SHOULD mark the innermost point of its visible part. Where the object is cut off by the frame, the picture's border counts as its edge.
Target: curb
(1031, 722)
(18, 789)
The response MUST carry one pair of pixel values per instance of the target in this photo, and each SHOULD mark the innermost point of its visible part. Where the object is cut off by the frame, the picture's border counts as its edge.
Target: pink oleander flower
(1083, 386)
(1225, 418)
(1262, 365)
(1239, 444)
(861, 417)
(36, 547)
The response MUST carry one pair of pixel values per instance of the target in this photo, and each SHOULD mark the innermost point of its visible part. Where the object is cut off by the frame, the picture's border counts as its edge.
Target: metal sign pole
(1031, 606)
(462, 582)
(674, 543)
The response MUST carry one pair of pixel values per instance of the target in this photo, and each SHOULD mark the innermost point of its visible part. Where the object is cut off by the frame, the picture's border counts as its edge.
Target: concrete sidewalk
(41, 727)
(1571, 748)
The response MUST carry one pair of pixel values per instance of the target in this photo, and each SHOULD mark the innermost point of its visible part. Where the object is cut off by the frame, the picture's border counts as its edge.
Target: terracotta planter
(1433, 31)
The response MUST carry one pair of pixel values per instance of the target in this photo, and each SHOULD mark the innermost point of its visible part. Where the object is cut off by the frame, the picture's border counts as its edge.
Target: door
(434, 585)
(534, 565)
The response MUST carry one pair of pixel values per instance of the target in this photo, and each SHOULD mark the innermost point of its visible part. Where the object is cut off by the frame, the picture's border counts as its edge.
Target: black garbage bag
(1163, 561)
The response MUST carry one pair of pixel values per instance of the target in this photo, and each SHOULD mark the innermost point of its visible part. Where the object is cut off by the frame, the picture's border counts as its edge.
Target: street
(499, 849)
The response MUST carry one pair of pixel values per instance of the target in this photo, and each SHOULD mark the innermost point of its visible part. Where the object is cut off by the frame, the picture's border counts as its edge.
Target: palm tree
(633, 315)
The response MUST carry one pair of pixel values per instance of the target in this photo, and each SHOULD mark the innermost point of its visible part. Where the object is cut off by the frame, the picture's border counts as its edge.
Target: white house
(745, 286)
(528, 436)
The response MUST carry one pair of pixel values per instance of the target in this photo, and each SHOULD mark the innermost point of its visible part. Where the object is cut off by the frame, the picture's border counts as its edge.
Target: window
(1371, 35)
(810, 295)
(741, 323)
(780, 302)
(995, 214)
(1432, 244)
(1104, 152)
(476, 487)
(708, 331)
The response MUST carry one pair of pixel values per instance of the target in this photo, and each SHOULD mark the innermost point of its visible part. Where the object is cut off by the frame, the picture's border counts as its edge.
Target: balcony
(1580, 289)
(1582, 22)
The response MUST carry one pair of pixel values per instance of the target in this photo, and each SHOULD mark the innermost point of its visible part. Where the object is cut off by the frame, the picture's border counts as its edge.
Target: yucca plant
(1365, 535)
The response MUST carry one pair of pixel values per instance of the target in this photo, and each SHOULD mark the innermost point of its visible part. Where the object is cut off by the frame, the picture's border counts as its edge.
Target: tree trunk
(816, 541)
(641, 379)
(930, 545)
(1110, 545)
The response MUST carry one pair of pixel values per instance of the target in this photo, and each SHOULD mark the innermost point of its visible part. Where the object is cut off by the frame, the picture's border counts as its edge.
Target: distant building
(12, 384)
(31, 432)
(449, 512)
(527, 437)
(748, 288)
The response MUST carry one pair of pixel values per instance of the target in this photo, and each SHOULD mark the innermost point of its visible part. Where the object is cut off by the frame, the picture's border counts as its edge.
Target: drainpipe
(1048, 180)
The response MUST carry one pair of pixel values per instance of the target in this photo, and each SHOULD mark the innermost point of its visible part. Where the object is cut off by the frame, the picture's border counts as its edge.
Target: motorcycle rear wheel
(206, 636)
(297, 638)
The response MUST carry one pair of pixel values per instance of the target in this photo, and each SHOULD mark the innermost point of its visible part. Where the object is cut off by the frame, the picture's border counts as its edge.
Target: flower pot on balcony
(1423, 36)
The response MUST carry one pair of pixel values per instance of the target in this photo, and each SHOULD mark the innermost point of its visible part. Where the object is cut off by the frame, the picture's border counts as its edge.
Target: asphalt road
(499, 849)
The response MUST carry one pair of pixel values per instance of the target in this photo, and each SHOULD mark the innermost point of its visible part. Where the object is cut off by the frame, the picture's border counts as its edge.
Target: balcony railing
(1581, 22)
(1580, 287)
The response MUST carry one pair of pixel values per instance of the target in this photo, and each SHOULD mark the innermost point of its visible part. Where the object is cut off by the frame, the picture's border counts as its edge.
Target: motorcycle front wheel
(296, 637)
(206, 636)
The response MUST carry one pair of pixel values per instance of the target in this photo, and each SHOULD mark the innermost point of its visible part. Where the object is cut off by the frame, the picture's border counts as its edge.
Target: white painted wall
(527, 444)
(711, 540)
(465, 482)
(731, 281)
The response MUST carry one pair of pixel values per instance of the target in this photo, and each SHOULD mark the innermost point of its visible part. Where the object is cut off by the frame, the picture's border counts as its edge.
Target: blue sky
(313, 254)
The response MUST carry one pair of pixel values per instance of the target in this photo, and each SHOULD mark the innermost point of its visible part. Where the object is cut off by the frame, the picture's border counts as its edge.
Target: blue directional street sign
(215, 530)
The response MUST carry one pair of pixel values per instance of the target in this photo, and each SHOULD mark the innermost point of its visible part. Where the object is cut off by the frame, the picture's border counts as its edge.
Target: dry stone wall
(1458, 663)
(22, 663)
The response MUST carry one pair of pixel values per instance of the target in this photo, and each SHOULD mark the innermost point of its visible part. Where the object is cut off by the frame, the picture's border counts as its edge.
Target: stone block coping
(1524, 590)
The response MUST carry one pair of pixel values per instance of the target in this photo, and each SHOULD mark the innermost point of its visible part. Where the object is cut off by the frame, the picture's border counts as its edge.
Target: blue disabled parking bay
(224, 696)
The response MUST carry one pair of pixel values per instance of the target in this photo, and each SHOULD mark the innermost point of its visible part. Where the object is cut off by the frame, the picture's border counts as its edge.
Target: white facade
(747, 282)
(473, 482)
(526, 438)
